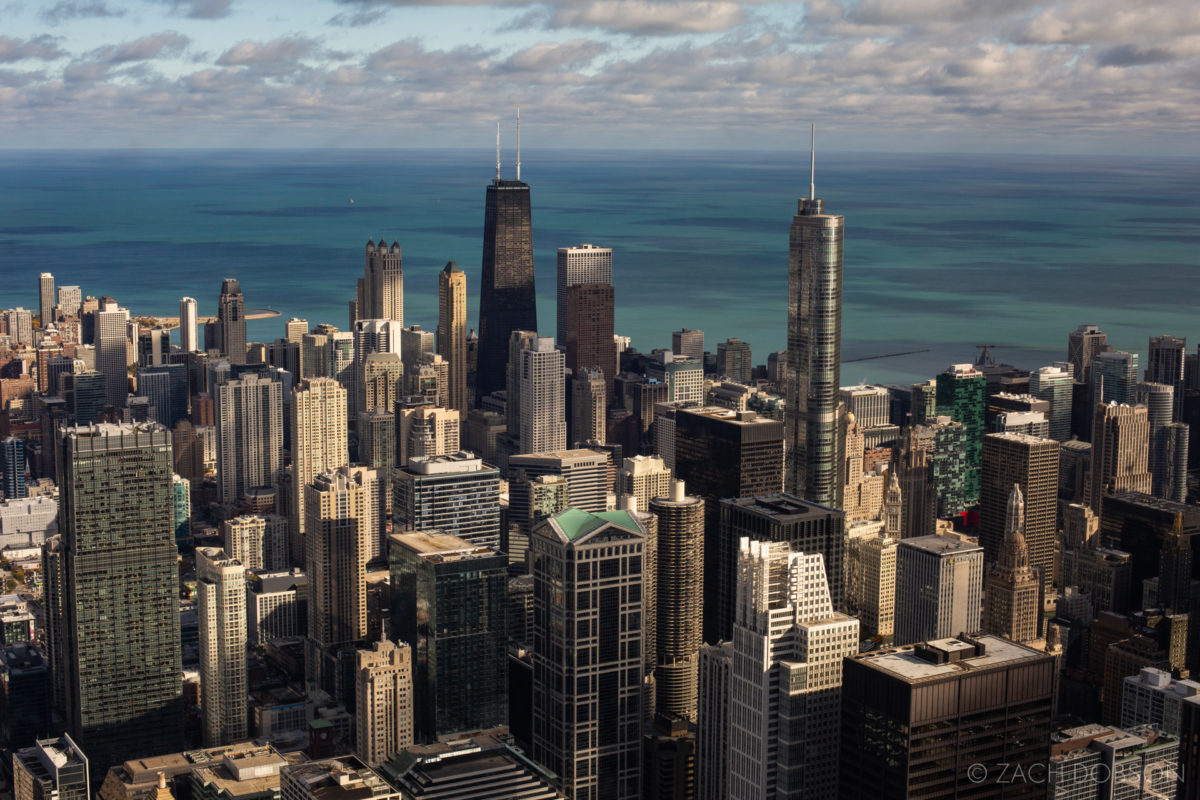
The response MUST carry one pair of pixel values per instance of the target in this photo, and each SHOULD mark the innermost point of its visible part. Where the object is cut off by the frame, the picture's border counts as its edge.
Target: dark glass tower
(506, 296)
(814, 350)
(231, 321)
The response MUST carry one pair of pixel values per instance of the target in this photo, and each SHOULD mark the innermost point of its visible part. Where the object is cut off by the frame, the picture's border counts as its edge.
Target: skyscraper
(221, 609)
(52, 769)
(453, 494)
(939, 588)
(383, 379)
(12, 466)
(814, 349)
(452, 332)
(70, 298)
(586, 263)
(961, 395)
(1083, 345)
(257, 541)
(587, 670)
(588, 418)
(112, 356)
(585, 471)
(1011, 608)
(643, 477)
(543, 418)
(1164, 364)
(383, 699)
(688, 343)
(118, 594)
(1053, 384)
(1120, 452)
(382, 287)
(1114, 376)
(319, 444)
(249, 414)
(187, 325)
(449, 603)
(231, 322)
(426, 431)
(734, 360)
(370, 336)
(46, 298)
(507, 301)
(679, 602)
(1031, 463)
(589, 331)
(871, 566)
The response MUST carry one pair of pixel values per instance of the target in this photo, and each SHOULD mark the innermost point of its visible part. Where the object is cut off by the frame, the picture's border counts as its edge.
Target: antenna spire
(497, 150)
(518, 143)
(812, 164)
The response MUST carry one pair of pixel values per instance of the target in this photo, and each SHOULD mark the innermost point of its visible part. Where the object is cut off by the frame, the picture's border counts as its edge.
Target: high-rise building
(961, 391)
(814, 350)
(249, 414)
(1015, 459)
(231, 322)
(543, 418)
(415, 344)
(688, 343)
(381, 293)
(862, 491)
(1120, 452)
(257, 541)
(166, 386)
(449, 602)
(84, 393)
(682, 375)
(1011, 607)
(187, 325)
(587, 672)
(336, 564)
(319, 443)
(46, 299)
(1164, 364)
(588, 406)
(26, 688)
(871, 566)
(341, 778)
(584, 264)
(734, 360)
(1114, 376)
(20, 326)
(589, 332)
(644, 478)
(788, 646)
(463, 767)
(806, 527)
(221, 610)
(70, 298)
(112, 355)
(370, 336)
(1172, 461)
(276, 605)
(118, 593)
(937, 702)
(51, 769)
(377, 440)
(12, 465)
(1053, 384)
(181, 518)
(452, 333)
(1083, 345)
(939, 588)
(383, 380)
(585, 471)
(426, 431)
(314, 355)
(507, 301)
(712, 729)
(383, 699)
(454, 494)
(1102, 761)
(1153, 697)
(679, 590)
(1159, 400)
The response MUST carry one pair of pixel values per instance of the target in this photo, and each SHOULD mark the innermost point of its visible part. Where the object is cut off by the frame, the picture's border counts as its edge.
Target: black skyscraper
(506, 297)
(231, 322)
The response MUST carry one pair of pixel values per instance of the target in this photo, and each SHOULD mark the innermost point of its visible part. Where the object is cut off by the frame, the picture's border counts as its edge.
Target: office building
(181, 518)
(1102, 761)
(688, 343)
(249, 414)
(318, 416)
(51, 769)
(426, 431)
(70, 299)
(644, 478)
(861, 490)
(429, 378)
(1012, 607)
(46, 299)
(1120, 452)
(454, 494)
(377, 440)
(679, 588)
(187, 325)
(340, 356)
(12, 465)
(1165, 365)
(85, 395)
(381, 293)
(221, 610)
(871, 566)
(341, 778)
(1159, 537)
(276, 605)
(452, 334)
(1172, 461)
(1153, 697)
(870, 405)
(588, 414)
(587, 660)
(530, 500)
(112, 356)
(464, 767)
(415, 344)
(370, 336)
(913, 468)
(682, 375)
(589, 332)
(939, 588)
(814, 348)
(712, 729)
(383, 381)
(961, 391)
(585, 471)
(25, 689)
(114, 608)
(231, 322)
(1053, 384)
(788, 646)
(1114, 376)
(584, 264)
(153, 346)
(1083, 345)
(507, 301)
(336, 549)
(449, 603)
(916, 718)
(1015, 459)
(543, 425)
(257, 541)
(734, 360)
(166, 386)
(384, 701)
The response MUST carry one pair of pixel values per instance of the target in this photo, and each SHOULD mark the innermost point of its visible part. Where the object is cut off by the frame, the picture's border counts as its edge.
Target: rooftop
(947, 657)
(781, 506)
(575, 524)
(344, 778)
(440, 547)
(940, 545)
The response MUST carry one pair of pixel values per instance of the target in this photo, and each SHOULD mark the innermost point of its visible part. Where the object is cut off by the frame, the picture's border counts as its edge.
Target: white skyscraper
(257, 542)
(221, 609)
(543, 414)
(46, 298)
(112, 354)
(381, 293)
(939, 588)
(319, 443)
(249, 415)
(785, 684)
(187, 325)
(586, 263)
(384, 701)
(1054, 385)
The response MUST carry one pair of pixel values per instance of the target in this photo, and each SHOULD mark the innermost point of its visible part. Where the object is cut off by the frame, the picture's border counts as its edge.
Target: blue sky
(966, 75)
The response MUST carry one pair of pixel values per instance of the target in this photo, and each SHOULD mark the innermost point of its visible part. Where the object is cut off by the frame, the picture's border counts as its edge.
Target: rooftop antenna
(812, 164)
(518, 143)
(497, 150)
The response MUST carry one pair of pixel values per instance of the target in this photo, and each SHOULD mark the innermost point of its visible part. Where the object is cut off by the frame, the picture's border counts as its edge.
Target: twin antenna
(518, 146)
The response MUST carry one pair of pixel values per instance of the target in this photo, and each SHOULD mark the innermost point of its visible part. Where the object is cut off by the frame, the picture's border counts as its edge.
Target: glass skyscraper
(962, 396)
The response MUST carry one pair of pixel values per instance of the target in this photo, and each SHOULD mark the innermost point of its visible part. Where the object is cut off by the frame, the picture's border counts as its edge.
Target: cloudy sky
(1104, 76)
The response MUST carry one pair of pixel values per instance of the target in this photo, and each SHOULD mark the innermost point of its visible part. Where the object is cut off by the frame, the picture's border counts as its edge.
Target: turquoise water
(941, 252)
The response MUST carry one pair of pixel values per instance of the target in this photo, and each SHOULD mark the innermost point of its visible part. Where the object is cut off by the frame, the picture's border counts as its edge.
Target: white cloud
(650, 17)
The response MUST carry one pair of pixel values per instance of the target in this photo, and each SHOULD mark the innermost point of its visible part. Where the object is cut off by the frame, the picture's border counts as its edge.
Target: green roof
(576, 524)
